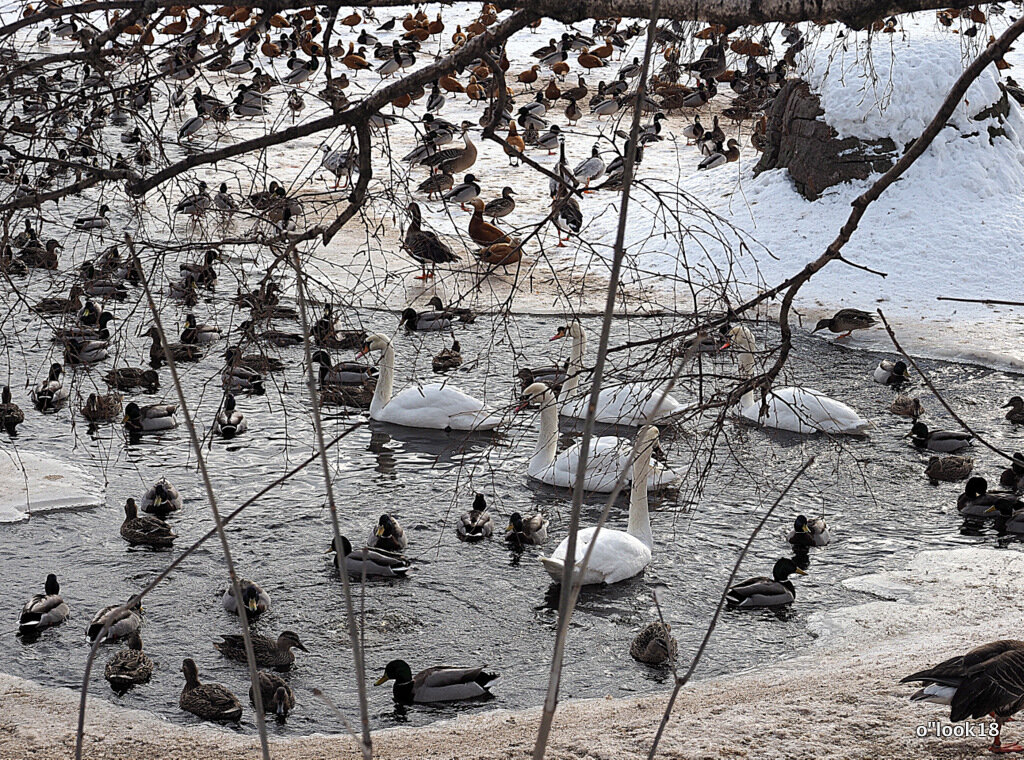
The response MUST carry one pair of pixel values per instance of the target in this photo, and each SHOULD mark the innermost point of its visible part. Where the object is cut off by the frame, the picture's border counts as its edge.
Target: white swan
(617, 555)
(436, 406)
(620, 404)
(609, 455)
(799, 410)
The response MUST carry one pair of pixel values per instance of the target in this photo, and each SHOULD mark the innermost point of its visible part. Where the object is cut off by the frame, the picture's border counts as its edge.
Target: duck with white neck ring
(798, 410)
(631, 404)
(434, 406)
(609, 455)
(616, 555)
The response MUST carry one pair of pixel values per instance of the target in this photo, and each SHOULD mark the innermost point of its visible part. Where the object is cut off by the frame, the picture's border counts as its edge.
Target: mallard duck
(767, 592)
(97, 221)
(236, 376)
(947, 441)
(210, 701)
(42, 257)
(59, 304)
(270, 653)
(1013, 476)
(438, 684)
(149, 419)
(906, 406)
(145, 530)
(890, 373)
(257, 601)
(552, 376)
(44, 610)
(812, 532)
(369, 562)
(425, 321)
(195, 333)
(654, 645)
(590, 169)
(464, 192)
(119, 621)
(424, 246)
(102, 408)
(988, 680)
(51, 393)
(180, 352)
(948, 469)
(1016, 413)
(275, 693)
(129, 378)
(129, 667)
(229, 421)
(10, 415)
(476, 524)
(387, 535)
(503, 206)
(464, 315)
(845, 321)
(162, 498)
(343, 373)
(978, 501)
(79, 351)
(567, 216)
(448, 358)
(528, 531)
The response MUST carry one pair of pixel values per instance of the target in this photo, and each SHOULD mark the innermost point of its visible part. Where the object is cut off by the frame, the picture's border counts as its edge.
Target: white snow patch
(34, 482)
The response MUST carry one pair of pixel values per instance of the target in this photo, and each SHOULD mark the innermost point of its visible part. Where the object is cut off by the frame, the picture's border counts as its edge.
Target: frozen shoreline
(839, 699)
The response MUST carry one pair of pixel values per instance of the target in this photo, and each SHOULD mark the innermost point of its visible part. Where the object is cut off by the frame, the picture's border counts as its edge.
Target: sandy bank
(838, 700)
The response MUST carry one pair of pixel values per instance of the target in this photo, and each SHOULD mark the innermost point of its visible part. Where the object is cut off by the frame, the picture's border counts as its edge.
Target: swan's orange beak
(363, 351)
(558, 335)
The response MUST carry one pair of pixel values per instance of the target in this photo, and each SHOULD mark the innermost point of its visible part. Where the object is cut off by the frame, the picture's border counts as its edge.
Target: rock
(799, 140)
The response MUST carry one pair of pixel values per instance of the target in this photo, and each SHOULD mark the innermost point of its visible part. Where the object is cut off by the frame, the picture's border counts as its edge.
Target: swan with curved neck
(435, 406)
(609, 455)
(798, 410)
(621, 404)
(616, 555)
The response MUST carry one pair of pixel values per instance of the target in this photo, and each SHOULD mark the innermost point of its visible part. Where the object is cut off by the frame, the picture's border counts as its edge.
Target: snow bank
(34, 482)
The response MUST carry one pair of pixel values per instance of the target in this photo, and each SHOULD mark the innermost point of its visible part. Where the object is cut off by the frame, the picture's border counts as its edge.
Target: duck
(119, 621)
(387, 535)
(229, 421)
(482, 233)
(590, 170)
(44, 610)
(98, 221)
(455, 160)
(434, 406)
(368, 562)
(102, 407)
(463, 192)
(257, 601)
(51, 393)
(890, 373)
(447, 358)
(1010, 516)
(275, 693)
(695, 131)
(344, 373)
(984, 681)
(129, 378)
(946, 441)
(237, 376)
(1016, 413)
(129, 667)
(609, 455)
(776, 591)
(566, 216)
(630, 404)
(1013, 476)
(162, 498)
(526, 531)
(978, 501)
(501, 207)
(10, 414)
(425, 321)
(151, 418)
(809, 532)
(209, 701)
(437, 684)
(196, 334)
(180, 352)
(906, 406)
(41, 257)
(424, 246)
(83, 351)
(60, 304)
(270, 653)
(948, 469)
(278, 338)
(798, 410)
(145, 530)
(845, 321)
(654, 645)
(476, 524)
(465, 315)
(616, 555)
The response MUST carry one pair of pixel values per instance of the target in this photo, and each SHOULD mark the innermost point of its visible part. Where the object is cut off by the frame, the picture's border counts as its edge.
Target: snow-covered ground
(34, 482)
